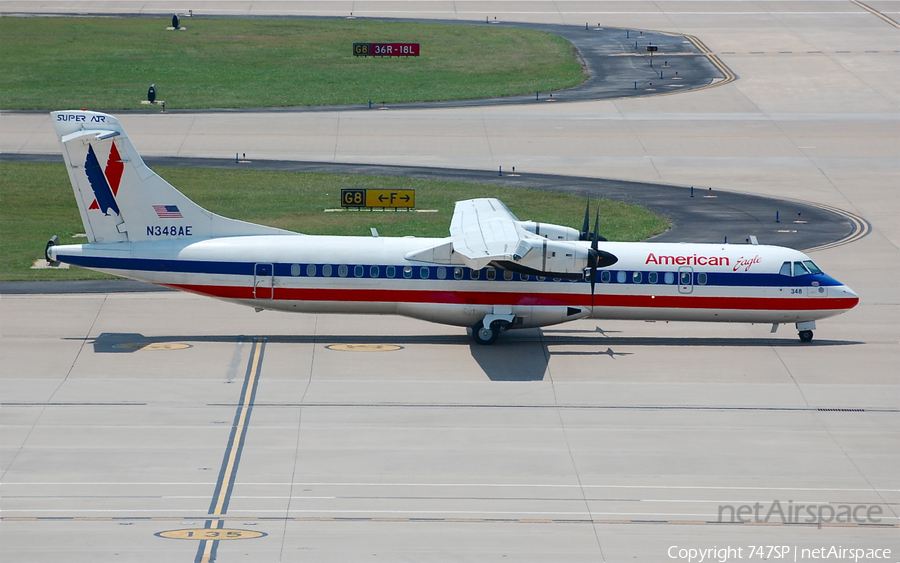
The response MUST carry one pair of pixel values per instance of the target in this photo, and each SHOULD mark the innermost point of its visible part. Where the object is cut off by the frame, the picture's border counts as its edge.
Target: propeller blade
(594, 255)
(585, 234)
(588, 235)
(598, 259)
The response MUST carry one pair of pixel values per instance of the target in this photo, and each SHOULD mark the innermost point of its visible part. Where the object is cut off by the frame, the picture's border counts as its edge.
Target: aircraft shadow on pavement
(649, 341)
(512, 360)
(522, 358)
(129, 342)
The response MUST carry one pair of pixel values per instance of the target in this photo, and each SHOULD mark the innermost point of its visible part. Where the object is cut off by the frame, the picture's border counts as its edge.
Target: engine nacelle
(552, 258)
(551, 232)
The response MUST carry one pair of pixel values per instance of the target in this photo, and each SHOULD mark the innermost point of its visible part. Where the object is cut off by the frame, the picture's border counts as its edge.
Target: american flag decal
(167, 211)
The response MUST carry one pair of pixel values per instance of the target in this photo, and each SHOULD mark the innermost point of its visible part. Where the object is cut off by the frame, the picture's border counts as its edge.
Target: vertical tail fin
(120, 198)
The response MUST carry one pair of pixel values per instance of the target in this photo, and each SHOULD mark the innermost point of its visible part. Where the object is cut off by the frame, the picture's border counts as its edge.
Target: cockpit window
(800, 269)
(813, 269)
(785, 269)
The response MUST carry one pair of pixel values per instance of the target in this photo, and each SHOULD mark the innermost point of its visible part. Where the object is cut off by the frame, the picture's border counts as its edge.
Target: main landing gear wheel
(806, 336)
(484, 335)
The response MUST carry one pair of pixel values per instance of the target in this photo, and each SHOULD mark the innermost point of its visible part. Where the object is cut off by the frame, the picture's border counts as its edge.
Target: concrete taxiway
(130, 419)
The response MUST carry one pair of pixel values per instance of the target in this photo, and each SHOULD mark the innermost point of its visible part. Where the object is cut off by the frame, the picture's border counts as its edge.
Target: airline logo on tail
(104, 182)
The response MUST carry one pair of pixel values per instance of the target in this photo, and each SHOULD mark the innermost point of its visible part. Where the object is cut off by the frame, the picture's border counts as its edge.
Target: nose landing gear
(805, 330)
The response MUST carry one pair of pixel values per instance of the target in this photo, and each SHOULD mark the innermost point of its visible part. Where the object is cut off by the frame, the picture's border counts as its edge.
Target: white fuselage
(327, 274)
(493, 273)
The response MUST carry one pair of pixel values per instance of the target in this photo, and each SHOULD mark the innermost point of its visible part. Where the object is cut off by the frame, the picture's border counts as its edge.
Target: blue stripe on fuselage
(767, 280)
(721, 279)
(153, 265)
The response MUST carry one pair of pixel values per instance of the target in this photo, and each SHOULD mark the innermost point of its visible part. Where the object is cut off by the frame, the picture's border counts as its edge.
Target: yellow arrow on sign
(390, 198)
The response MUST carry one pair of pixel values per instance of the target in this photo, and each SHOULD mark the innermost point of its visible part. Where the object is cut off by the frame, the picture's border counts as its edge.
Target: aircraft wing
(484, 230)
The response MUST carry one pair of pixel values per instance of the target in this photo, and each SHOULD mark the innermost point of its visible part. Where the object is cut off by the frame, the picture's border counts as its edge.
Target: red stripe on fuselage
(799, 303)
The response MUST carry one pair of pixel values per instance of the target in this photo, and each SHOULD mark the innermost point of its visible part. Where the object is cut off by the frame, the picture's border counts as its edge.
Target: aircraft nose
(850, 296)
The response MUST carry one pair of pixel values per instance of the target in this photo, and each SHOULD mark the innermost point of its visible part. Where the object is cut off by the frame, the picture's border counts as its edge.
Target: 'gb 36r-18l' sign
(386, 49)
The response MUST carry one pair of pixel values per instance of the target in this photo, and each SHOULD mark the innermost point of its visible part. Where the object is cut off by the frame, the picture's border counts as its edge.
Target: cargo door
(264, 281)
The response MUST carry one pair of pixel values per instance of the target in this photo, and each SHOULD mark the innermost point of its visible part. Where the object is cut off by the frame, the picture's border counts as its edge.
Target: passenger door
(685, 279)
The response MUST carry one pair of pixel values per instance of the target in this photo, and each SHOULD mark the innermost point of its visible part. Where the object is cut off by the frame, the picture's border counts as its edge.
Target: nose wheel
(485, 335)
(805, 329)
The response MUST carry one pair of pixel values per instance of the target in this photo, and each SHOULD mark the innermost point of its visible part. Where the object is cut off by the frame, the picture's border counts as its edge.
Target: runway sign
(385, 49)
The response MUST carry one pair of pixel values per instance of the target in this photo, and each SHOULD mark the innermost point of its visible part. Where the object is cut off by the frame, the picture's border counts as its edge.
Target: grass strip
(36, 202)
(109, 63)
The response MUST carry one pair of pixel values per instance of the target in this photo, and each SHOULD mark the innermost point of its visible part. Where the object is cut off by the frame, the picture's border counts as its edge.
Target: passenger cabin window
(342, 270)
(813, 269)
(358, 271)
(800, 269)
(457, 273)
(391, 271)
(701, 278)
(670, 277)
(652, 277)
(491, 274)
(636, 277)
(524, 277)
(785, 269)
(442, 273)
(604, 276)
(374, 271)
(424, 273)
(474, 274)
(507, 275)
(685, 278)
(620, 277)
(326, 270)
(295, 270)
(311, 270)
(407, 271)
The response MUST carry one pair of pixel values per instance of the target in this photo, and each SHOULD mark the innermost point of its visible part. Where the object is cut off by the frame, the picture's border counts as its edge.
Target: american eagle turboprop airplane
(493, 273)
